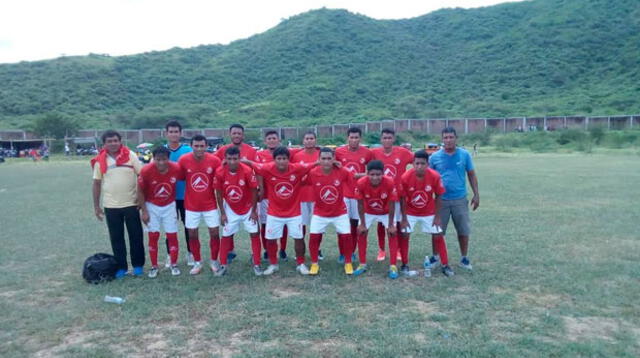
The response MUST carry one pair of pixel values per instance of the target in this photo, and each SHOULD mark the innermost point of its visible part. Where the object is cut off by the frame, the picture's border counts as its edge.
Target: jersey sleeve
(218, 178)
(438, 185)
(302, 168)
(252, 180)
(141, 177)
(260, 169)
(97, 174)
(220, 152)
(135, 162)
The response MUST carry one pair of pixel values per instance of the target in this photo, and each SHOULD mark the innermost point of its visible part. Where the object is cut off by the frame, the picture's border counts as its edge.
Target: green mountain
(541, 57)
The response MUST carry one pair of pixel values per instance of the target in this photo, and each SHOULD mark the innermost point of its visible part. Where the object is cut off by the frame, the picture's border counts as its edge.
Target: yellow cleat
(348, 269)
(315, 268)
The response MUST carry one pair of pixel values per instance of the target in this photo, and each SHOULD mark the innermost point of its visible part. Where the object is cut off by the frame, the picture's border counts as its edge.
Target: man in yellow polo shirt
(115, 171)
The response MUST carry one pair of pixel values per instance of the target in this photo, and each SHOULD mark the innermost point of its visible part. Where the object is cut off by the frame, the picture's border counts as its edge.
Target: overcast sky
(34, 30)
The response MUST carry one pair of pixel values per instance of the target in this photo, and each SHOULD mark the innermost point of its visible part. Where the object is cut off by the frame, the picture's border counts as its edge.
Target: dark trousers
(117, 218)
(181, 216)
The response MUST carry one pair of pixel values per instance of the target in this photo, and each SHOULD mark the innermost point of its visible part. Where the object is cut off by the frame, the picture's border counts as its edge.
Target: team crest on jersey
(173, 180)
(361, 160)
(292, 178)
(154, 182)
(163, 191)
(367, 196)
(419, 199)
(390, 171)
(428, 188)
(329, 194)
(376, 205)
(284, 190)
(209, 170)
(241, 182)
(336, 182)
(411, 189)
(397, 161)
(383, 196)
(226, 182)
(233, 193)
(199, 182)
(352, 167)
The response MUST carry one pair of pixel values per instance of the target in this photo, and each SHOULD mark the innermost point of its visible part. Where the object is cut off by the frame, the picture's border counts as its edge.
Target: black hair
(326, 150)
(281, 151)
(232, 150)
(236, 125)
(310, 133)
(421, 154)
(375, 165)
(354, 130)
(198, 138)
(268, 133)
(388, 131)
(173, 123)
(110, 133)
(161, 151)
(450, 130)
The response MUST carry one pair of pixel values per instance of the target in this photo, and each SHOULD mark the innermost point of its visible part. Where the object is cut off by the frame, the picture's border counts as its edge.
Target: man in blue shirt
(453, 163)
(174, 134)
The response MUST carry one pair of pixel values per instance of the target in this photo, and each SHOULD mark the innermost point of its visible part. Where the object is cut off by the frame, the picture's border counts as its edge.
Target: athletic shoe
(393, 272)
(362, 268)
(348, 269)
(197, 267)
(408, 273)
(230, 256)
(283, 256)
(465, 264)
(447, 271)
(222, 270)
(271, 269)
(175, 271)
(320, 256)
(341, 259)
(302, 269)
(121, 273)
(190, 260)
(153, 273)
(434, 261)
(167, 263)
(315, 268)
(257, 270)
(138, 271)
(214, 265)
(381, 255)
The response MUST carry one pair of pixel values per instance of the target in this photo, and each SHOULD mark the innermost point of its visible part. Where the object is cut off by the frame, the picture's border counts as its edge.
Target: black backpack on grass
(99, 268)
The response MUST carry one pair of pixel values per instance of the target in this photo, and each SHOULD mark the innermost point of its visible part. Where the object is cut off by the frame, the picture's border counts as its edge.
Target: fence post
(586, 123)
(504, 125)
(608, 123)
(466, 125)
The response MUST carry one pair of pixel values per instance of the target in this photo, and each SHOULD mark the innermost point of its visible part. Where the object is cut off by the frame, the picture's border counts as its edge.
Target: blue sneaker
(465, 263)
(138, 271)
(341, 259)
(283, 255)
(230, 256)
(393, 272)
(362, 268)
(121, 274)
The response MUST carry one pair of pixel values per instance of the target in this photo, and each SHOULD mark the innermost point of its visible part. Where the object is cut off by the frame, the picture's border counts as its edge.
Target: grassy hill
(540, 57)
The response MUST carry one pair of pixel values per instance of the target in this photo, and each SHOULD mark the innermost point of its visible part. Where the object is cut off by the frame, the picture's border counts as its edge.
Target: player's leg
(182, 216)
(153, 228)
(212, 219)
(294, 227)
(460, 217)
(362, 245)
(273, 232)
(251, 227)
(192, 220)
(317, 228)
(115, 224)
(169, 219)
(382, 255)
(439, 244)
(136, 239)
(343, 229)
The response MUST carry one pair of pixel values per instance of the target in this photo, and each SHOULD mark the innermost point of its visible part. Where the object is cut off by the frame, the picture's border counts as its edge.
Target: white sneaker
(215, 265)
(167, 263)
(465, 264)
(221, 271)
(175, 271)
(197, 267)
(257, 270)
(190, 260)
(271, 269)
(302, 268)
(153, 273)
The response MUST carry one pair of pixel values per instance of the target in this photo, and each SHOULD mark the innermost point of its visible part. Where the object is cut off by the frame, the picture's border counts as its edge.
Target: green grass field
(555, 247)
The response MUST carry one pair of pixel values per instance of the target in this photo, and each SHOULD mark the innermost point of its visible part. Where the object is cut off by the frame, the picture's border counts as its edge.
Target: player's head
(232, 156)
(449, 138)
(236, 133)
(111, 141)
(326, 157)
(421, 161)
(354, 134)
(309, 140)
(174, 131)
(281, 156)
(374, 171)
(199, 145)
(161, 157)
(271, 139)
(387, 137)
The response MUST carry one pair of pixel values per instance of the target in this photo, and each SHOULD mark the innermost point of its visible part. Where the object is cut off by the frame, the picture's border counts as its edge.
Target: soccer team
(281, 192)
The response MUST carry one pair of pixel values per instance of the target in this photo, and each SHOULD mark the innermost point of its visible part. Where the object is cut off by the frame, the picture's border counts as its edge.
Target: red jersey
(264, 156)
(159, 189)
(395, 163)
(246, 152)
(327, 191)
(355, 162)
(237, 187)
(419, 193)
(376, 199)
(200, 181)
(283, 188)
(302, 157)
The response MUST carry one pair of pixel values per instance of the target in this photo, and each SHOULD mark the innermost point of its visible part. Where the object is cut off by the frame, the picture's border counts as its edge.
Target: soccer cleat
(121, 273)
(434, 261)
(214, 265)
(362, 268)
(153, 273)
(257, 270)
(315, 268)
(283, 256)
(167, 263)
(271, 269)
(222, 270)
(341, 259)
(138, 271)
(197, 267)
(348, 269)
(230, 256)
(302, 269)
(447, 271)
(320, 256)
(381, 255)
(404, 269)
(175, 271)
(465, 264)
(190, 260)
(393, 272)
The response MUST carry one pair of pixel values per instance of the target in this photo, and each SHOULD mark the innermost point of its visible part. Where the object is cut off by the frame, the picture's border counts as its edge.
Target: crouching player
(377, 196)
(238, 186)
(420, 190)
(156, 195)
(327, 182)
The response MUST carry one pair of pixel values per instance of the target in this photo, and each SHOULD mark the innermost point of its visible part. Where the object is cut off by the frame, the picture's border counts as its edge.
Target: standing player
(199, 171)
(282, 182)
(156, 188)
(174, 134)
(308, 155)
(420, 193)
(395, 160)
(453, 163)
(377, 196)
(238, 186)
(327, 184)
(354, 158)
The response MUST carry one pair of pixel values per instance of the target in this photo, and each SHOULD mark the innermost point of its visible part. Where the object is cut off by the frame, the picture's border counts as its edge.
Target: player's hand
(362, 229)
(145, 217)
(392, 230)
(404, 224)
(223, 218)
(99, 213)
(475, 202)
(436, 221)
(254, 216)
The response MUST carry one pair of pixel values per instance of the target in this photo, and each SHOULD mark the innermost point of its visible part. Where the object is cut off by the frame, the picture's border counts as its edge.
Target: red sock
(263, 232)
(345, 239)
(403, 243)
(393, 249)
(272, 251)
(381, 232)
(299, 260)
(153, 247)
(354, 237)
(255, 248)
(362, 248)
(225, 246)
(340, 246)
(283, 239)
(314, 247)
(441, 249)
(172, 238)
(194, 246)
(214, 246)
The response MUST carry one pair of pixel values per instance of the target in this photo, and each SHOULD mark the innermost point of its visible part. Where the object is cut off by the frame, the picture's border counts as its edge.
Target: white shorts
(319, 224)
(426, 223)
(369, 218)
(234, 220)
(262, 210)
(192, 218)
(306, 208)
(398, 213)
(162, 215)
(352, 208)
(275, 226)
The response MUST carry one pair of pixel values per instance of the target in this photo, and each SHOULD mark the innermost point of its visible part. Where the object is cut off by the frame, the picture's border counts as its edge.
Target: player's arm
(436, 216)
(473, 180)
(254, 205)
(392, 218)
(404, 223)
(362, 228)
(223, 214)
(97, 189)
(143, 208)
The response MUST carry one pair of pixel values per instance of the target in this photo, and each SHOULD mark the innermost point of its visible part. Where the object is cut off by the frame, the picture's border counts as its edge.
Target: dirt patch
(540, 300)
(285, 293)
(78, 337)
(587, 328)
(425, 308)
(9, 294)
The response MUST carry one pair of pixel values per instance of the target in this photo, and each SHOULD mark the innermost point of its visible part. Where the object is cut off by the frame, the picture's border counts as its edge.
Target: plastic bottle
(112, 299)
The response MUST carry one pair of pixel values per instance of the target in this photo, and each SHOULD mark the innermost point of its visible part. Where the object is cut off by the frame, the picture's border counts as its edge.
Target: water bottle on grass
(113, 299)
